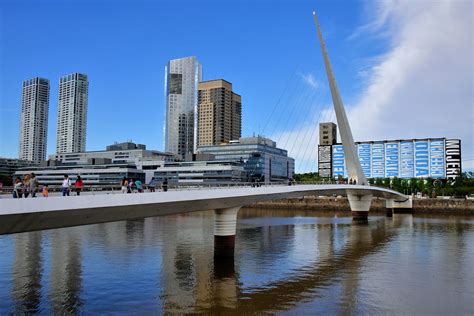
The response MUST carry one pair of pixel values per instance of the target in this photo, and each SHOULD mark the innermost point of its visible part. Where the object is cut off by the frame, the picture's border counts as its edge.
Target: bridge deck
(22, 215)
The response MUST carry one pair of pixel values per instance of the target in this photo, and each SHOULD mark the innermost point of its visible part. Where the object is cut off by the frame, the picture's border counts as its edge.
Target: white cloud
(310, 79)
(423, 86)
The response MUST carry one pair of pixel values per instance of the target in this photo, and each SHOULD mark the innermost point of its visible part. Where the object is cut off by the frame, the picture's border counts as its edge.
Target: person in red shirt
(79, 184)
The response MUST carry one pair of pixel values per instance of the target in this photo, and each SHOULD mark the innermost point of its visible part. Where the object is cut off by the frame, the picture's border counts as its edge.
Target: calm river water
(285, 262)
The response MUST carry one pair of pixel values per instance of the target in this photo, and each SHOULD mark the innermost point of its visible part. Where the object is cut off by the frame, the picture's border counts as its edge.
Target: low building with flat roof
(120, 153)
(92, 175)
(195, 173)
(8, 167)
(261, 158)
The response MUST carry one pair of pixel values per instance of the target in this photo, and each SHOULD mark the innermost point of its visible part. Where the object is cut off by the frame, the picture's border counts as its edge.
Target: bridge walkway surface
(22, 215)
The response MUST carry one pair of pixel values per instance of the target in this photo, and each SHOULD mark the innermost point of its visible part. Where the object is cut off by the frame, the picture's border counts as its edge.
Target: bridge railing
(112, 189)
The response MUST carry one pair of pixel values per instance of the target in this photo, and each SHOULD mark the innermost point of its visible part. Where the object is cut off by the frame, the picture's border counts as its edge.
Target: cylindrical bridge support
(360, 206)
(225, 224)
(389, 204)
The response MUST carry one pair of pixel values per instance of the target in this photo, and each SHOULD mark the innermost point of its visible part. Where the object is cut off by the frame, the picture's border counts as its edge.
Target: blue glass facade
(263, 161)
(414, 158)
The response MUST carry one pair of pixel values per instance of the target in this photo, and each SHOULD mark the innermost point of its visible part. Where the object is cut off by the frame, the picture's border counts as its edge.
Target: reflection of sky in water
(297, 244)
(283, 262)
(6, 262)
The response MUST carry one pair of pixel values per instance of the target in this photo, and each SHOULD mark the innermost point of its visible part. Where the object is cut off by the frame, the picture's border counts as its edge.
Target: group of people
(29, 186)
(133, 186)
(26, 187)
(66, 185)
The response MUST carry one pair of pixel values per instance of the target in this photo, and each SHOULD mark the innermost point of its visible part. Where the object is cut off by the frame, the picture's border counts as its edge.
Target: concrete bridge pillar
(399, 207)
(389, 205)
(225, 224)
(360, 206)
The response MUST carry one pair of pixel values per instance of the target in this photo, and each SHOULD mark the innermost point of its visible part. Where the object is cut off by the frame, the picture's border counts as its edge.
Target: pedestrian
(18, 188)
(139, 186)
(79, 184)
(26, 185)
(164, 185)
(130, 185)
(354, 182)
(33, 184)
(124, 185)
(350, 181)
(45, 191)
(66, 185)
(151, 187)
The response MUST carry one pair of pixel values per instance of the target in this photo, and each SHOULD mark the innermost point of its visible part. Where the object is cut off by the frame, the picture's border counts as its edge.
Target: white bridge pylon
(360, 204)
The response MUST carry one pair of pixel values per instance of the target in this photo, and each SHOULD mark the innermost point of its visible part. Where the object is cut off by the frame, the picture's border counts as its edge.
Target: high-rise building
(182, 77)
(327, 133)
(72, 113)
(219, 113)
(34, 119)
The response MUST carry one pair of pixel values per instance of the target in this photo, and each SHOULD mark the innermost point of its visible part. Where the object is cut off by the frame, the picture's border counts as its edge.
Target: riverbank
(420, 206)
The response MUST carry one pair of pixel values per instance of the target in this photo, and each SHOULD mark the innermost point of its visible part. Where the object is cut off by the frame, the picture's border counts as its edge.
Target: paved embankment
(420, 206)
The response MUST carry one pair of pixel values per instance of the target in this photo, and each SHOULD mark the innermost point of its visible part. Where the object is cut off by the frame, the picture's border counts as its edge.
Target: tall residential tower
(34, 119)
(181, 90)
(72, 113)
(219, 113)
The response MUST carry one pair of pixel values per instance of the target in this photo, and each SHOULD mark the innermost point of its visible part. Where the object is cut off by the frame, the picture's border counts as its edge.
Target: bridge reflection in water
(284, 260)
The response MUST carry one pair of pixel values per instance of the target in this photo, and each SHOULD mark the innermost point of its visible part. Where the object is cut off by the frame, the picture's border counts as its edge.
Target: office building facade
(219, 113)
(262, 160)
(437, 158)
(34, 120)
(8, 166)
(72, 113)
(327, 133)
(119, 153)
(182, 77)
(92, 174)
(196, 173)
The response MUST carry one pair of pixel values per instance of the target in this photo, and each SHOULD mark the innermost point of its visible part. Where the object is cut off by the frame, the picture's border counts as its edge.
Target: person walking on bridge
(18, 188)
(124, 185)
(26, 185)
(79, 184)
(33, 184)
(139, 186)
(66, 185)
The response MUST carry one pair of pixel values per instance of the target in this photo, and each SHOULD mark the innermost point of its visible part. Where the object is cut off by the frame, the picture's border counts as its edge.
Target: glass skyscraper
(182, 77)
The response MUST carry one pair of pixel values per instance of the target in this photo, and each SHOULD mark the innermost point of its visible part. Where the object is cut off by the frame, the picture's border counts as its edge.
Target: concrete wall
(420, 206)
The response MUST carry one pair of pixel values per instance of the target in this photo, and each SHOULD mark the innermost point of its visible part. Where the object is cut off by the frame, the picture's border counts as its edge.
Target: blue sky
(267, 49)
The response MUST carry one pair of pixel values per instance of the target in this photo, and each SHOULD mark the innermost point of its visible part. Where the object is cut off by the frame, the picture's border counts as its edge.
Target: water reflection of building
(66, 272)
(27, 273)
(192, 280)
(180, 264)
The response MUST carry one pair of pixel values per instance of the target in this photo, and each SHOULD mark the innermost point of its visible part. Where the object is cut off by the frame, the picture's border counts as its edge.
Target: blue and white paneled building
(413, 158)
